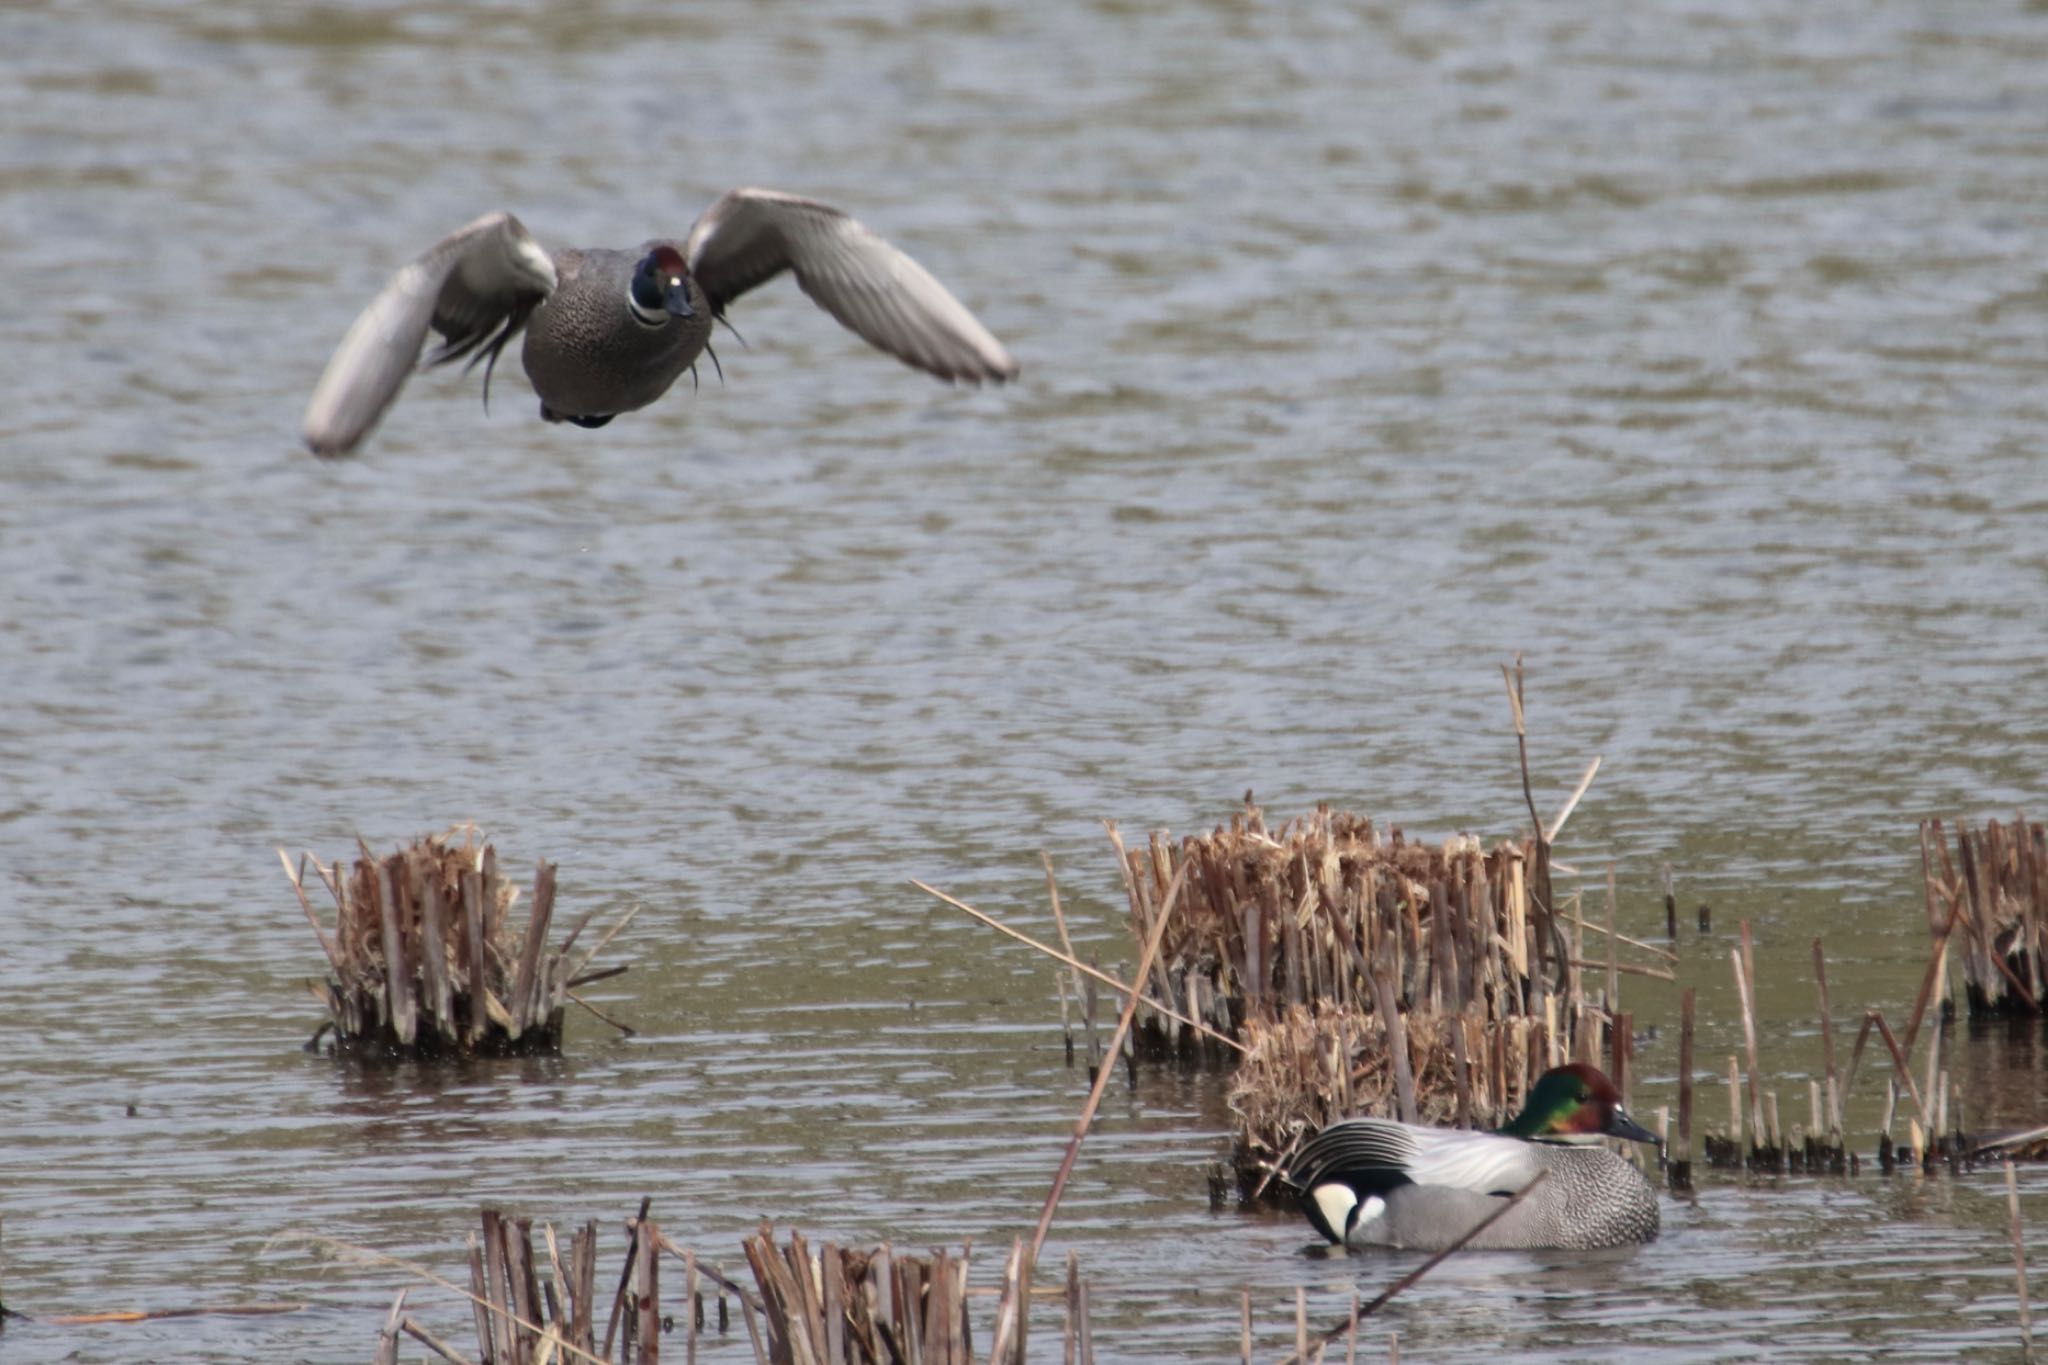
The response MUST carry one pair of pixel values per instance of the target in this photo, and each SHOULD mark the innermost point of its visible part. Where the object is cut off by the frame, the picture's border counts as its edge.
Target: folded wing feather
(1484, 1163)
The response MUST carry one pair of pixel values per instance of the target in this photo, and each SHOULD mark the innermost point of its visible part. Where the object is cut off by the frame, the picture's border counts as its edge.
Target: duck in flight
(609, 331)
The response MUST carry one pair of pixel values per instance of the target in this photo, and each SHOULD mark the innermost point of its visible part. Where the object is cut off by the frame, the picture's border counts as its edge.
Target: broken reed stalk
(1733, 1154)
(2019, 1259)
(1902, 1072)
(612, 1321)
(1745, 982)
(1681, 1168)
(1931, 1085)
(433, 1343)
(1613, 1001)
(424, 961)
(1577, 922)
(1123, 1029)
(1625, 968)
(1571, 803)
(1059, 920)
(1514, 682)
(1093, 973)
(387, 1340)
(1937, 971)
(1013, 1310)
(204, 1310)
(1350, 1324)
(1827, 1043)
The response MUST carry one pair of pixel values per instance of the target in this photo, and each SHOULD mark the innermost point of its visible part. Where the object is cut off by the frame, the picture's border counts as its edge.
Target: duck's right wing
(1484, 1163)
(475, 287)
(752, 235)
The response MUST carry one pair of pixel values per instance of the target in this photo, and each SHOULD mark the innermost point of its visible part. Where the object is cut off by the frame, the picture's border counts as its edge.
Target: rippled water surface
(1695, 350)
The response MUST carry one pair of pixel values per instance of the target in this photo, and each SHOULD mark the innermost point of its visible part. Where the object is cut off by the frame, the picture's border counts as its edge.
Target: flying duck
(609, 331)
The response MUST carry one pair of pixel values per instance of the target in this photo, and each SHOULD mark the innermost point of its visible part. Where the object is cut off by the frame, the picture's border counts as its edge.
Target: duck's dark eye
(647, 285)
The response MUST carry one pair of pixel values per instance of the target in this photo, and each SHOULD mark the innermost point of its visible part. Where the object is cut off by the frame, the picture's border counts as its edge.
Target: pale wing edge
(498, 261)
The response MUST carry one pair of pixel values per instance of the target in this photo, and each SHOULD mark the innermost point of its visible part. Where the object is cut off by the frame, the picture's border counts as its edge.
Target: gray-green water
(1696, 350)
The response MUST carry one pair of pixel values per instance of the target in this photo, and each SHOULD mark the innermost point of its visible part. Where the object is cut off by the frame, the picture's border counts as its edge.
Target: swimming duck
(608, 331)
(1375, 1182)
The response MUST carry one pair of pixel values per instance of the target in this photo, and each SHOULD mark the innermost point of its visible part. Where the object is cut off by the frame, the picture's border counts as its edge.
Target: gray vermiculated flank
(1592, 1198)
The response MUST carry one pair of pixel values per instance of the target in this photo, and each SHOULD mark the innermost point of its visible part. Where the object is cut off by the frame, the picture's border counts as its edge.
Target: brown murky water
(1696, 350)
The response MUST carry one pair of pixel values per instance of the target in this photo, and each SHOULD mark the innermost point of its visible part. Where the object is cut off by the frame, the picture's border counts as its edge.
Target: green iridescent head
(1575, 1102)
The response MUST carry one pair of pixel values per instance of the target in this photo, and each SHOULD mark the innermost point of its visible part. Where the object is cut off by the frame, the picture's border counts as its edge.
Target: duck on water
(608, 332)
(1375, 1182)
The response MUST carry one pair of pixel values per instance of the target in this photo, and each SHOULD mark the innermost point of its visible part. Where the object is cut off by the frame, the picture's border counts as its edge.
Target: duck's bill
(1622, 1126)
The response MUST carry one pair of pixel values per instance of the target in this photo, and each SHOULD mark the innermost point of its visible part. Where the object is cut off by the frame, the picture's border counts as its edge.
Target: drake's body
(588, 357)
(1375, 1182)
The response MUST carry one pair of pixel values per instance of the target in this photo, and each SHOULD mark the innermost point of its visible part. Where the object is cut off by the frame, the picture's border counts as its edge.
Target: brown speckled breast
(586, 352)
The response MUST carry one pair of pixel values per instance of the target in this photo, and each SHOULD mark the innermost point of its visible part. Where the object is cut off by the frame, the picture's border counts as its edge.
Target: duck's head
(1336, 1206)
(1576, 1102)
(661, 287)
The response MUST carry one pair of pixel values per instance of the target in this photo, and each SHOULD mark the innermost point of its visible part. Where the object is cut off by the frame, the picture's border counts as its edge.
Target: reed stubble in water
(830, 1305)
(425, 962)
(1996, 889)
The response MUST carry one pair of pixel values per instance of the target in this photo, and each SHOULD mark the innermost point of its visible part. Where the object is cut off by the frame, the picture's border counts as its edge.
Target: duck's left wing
(1482, 1162)
(752, 235)
(475, 287)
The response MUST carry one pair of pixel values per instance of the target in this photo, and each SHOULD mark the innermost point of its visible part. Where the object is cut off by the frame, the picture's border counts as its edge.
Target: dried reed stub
(425, 960)
(1991, 898)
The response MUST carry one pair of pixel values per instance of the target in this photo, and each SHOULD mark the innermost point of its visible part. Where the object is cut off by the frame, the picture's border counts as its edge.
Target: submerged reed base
(425, 961)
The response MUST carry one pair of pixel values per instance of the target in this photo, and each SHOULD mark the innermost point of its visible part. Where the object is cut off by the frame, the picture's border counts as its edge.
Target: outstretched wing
(751, 235)
(1380, 1152)
(475, 287)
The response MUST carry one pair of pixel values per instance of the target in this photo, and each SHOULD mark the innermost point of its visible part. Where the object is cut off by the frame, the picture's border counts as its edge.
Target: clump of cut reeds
(1995, 891)
(425, 959)
(829, 1305)
(1369, 974)
(834, 1305)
